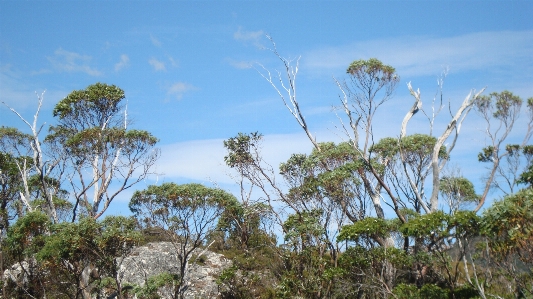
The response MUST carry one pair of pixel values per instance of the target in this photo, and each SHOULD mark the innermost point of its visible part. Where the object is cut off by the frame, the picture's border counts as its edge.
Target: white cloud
(239, 64)
(173, 62)
(40, 72)
(423, 55)
(157, 65)
(124, 62)
(66, 61)
(155, 41)
(20, 95)
(253, 37)
(203, 160)
(179, 88)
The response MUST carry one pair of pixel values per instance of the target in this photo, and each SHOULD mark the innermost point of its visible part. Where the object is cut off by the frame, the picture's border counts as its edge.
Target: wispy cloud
(66, 61)
(179, 88)
(124, 62)
(40, 72)
(253, 37)
(173, 62)
(239, 64)
(203, 160)
(424, 55)
(155, 41)
(17, 92)
(157, 65)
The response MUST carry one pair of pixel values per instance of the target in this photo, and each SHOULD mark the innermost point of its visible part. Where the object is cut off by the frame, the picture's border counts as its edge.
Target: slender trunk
(85, 281)
(389, 271)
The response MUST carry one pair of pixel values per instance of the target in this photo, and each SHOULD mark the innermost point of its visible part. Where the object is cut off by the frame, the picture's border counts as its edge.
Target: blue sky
(185, 66)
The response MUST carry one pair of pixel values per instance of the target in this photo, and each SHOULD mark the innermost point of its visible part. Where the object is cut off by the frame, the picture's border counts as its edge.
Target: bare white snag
(416, 107)
(38, 159)
(289, 88)
(455, 124)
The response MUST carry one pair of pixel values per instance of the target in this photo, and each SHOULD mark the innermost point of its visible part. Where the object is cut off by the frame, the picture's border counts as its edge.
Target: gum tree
(187, 213)
(392, 171)
(23, 145)
(500, 112)
(103, 156)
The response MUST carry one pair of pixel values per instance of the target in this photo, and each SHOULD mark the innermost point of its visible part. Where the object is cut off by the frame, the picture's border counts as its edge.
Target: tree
(92, 136)
(24, 239)
(500, 111)
(87, 255)
(392, 171)
(187, 213)
(30, 144)
(457, 191)
(10, 187)
(508, 226)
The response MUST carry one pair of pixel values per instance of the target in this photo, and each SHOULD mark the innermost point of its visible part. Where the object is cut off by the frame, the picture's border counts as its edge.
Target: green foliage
(416, 149)
(526, 177)
(465, 223)
(240, 149)
(458, 187)
(92, 128)
(373, 68)
(72, 242)
(308, 268)
(72, 248)
(13, 141)
(486, 155)
(97, 97)
(307, 275)
(509, 224)
(329, 175)
(27, 236)
(242, 223)
(361, 269)
(253, 273)
(303, 227)
(188, 197)
(364, 259)
(187, 213)
(427, 225)
(240, 283)
(369, 227)
(153, 284)
(118, 236)
(428, 291)
(10, 186)
(439, 225)
(502, 105)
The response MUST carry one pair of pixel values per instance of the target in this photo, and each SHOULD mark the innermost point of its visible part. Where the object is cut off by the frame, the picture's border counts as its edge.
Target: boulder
(161, 257)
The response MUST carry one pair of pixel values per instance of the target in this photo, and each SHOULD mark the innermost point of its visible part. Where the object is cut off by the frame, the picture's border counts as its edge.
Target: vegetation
(363, 218)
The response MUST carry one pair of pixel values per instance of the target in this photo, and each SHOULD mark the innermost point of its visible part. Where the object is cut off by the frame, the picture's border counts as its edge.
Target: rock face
(17, 272)
(156, 258)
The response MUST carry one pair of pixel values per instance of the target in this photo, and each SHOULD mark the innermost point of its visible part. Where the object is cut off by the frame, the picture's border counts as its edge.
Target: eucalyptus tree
(508, 226)
(103, 156)
(393, 171)
(10, 186)
(91, 148)
(500, 112)
(187, 213)
(370, 84)
(44, 167)
(82, 258)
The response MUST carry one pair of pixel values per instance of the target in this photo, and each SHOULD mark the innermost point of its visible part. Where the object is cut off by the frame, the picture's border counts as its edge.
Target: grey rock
(161, 257)
(18, 272)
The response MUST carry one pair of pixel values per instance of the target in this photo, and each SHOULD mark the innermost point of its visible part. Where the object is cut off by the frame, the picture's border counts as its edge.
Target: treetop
(98, 96)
